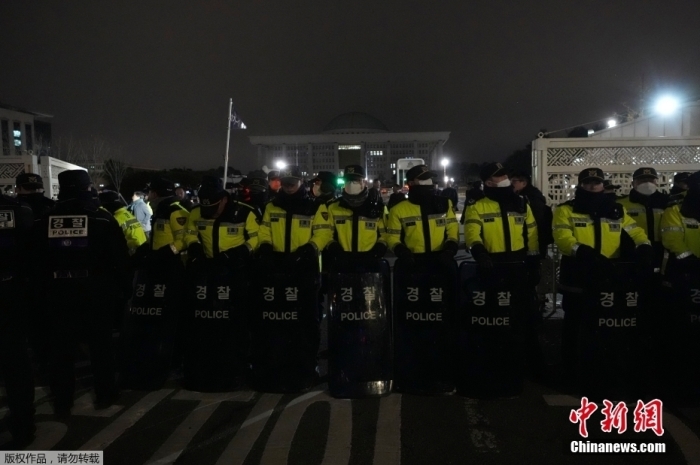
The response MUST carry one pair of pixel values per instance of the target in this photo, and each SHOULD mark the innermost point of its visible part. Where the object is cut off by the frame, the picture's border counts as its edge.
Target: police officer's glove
(404, 254)
(265, 251)
(235, 256)
(591, 257)
(141, 254)
(164, 253)
(305, 253)
(532, 268)
(447, 254)
(195, 253)
(645, 263)
(332, 254)
(378, 250)
(483, 259)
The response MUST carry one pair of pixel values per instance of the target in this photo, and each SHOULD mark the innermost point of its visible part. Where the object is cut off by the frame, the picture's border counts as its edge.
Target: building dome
(354, 123)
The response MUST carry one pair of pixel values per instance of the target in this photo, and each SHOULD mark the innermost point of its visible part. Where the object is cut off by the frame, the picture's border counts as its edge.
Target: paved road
(174, 425)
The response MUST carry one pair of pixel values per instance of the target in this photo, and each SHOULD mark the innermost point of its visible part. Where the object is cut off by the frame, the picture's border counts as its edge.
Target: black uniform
(38, 202)
(15, 224)
(81, 259)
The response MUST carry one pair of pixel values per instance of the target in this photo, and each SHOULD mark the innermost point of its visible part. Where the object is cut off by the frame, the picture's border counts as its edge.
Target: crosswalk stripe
(387, 445)
(125, 421)
(280, 441)
(239, 447)
(173, 447)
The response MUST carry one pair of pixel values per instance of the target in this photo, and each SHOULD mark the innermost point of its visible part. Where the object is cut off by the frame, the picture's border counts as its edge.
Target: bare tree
(115, 169)
(66, 149)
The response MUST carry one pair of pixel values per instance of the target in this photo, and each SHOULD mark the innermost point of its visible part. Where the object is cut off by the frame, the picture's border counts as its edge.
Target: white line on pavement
(239, 447)
(337, 447)
(125, 421)
(387, 444)
(183, 434)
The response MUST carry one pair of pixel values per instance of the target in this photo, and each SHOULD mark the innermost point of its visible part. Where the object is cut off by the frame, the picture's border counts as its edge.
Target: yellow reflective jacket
(571, 229)
(484, 224)
(238, 224)
(288, 229)
(133, 231)
(357, 230)
(680, 235)
(168, 225)
(407, 225)
(647, 215)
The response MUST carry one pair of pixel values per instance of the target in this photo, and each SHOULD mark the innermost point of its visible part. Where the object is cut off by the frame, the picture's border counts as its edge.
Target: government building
(348, 139)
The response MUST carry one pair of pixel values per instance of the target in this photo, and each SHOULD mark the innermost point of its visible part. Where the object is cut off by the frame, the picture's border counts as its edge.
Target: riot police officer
(500, 227)
(287, 224)
(680, 233)
(323, 187)
(355, 220)
(427, 221)
(645, 204)
(220, 227)
(680, 186)
(587, 230)
(16, 220)
(132, 229)
(30, 190)
(80, 255)
(167, 223)
(284, 352)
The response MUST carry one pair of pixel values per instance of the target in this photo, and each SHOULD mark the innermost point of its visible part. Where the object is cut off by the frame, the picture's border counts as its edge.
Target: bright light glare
(590, 131)
(280, 165)
(445, 162)
(446, 179)
(612, 123)
(666, 105)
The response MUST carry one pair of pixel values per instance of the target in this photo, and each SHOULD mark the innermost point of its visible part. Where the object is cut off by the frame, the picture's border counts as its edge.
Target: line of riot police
(243, 302)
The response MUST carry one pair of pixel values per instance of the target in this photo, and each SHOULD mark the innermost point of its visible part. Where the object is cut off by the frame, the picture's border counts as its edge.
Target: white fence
(557, 162)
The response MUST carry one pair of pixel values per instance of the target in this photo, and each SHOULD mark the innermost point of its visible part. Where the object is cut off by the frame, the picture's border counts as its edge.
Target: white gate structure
(557, 162)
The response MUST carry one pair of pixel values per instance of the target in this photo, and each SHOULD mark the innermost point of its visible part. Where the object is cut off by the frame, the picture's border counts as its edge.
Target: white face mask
(425, 182)
(504, 183)
(353, 187)
(316, 190)
(647, 188)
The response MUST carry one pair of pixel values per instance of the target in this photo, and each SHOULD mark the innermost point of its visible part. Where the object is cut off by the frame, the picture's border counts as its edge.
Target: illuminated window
(349, 147)
(17, 134)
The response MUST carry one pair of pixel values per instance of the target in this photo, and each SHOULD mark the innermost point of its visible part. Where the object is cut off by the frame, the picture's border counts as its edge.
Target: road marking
(48, 434)
(240, 445)
(482, 440)
(687, 441)
(387, 444)
(83, 406)
(339, 433)
(337, 446)
(173, 447)
(125, 421)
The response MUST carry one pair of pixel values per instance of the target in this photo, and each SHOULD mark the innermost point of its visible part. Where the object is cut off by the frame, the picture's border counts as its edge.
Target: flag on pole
(235, 121)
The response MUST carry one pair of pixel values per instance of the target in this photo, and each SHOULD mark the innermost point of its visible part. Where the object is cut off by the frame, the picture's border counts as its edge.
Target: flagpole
(228, 139)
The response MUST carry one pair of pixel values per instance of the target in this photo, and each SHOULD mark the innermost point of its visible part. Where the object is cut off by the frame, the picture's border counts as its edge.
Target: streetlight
(612, 123)
(666, 105)
(444, 164)
(280, 165)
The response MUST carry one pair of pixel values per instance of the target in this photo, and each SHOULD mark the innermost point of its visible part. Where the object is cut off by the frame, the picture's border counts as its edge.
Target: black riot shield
(148, 335)
(359, 329)
(610, 353)
(686, 297)
(424, 336)
(490, 323)
(285, 330)
(216, 338)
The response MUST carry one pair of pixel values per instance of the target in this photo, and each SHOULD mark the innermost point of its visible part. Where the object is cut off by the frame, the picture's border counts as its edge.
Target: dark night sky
(155, 76)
